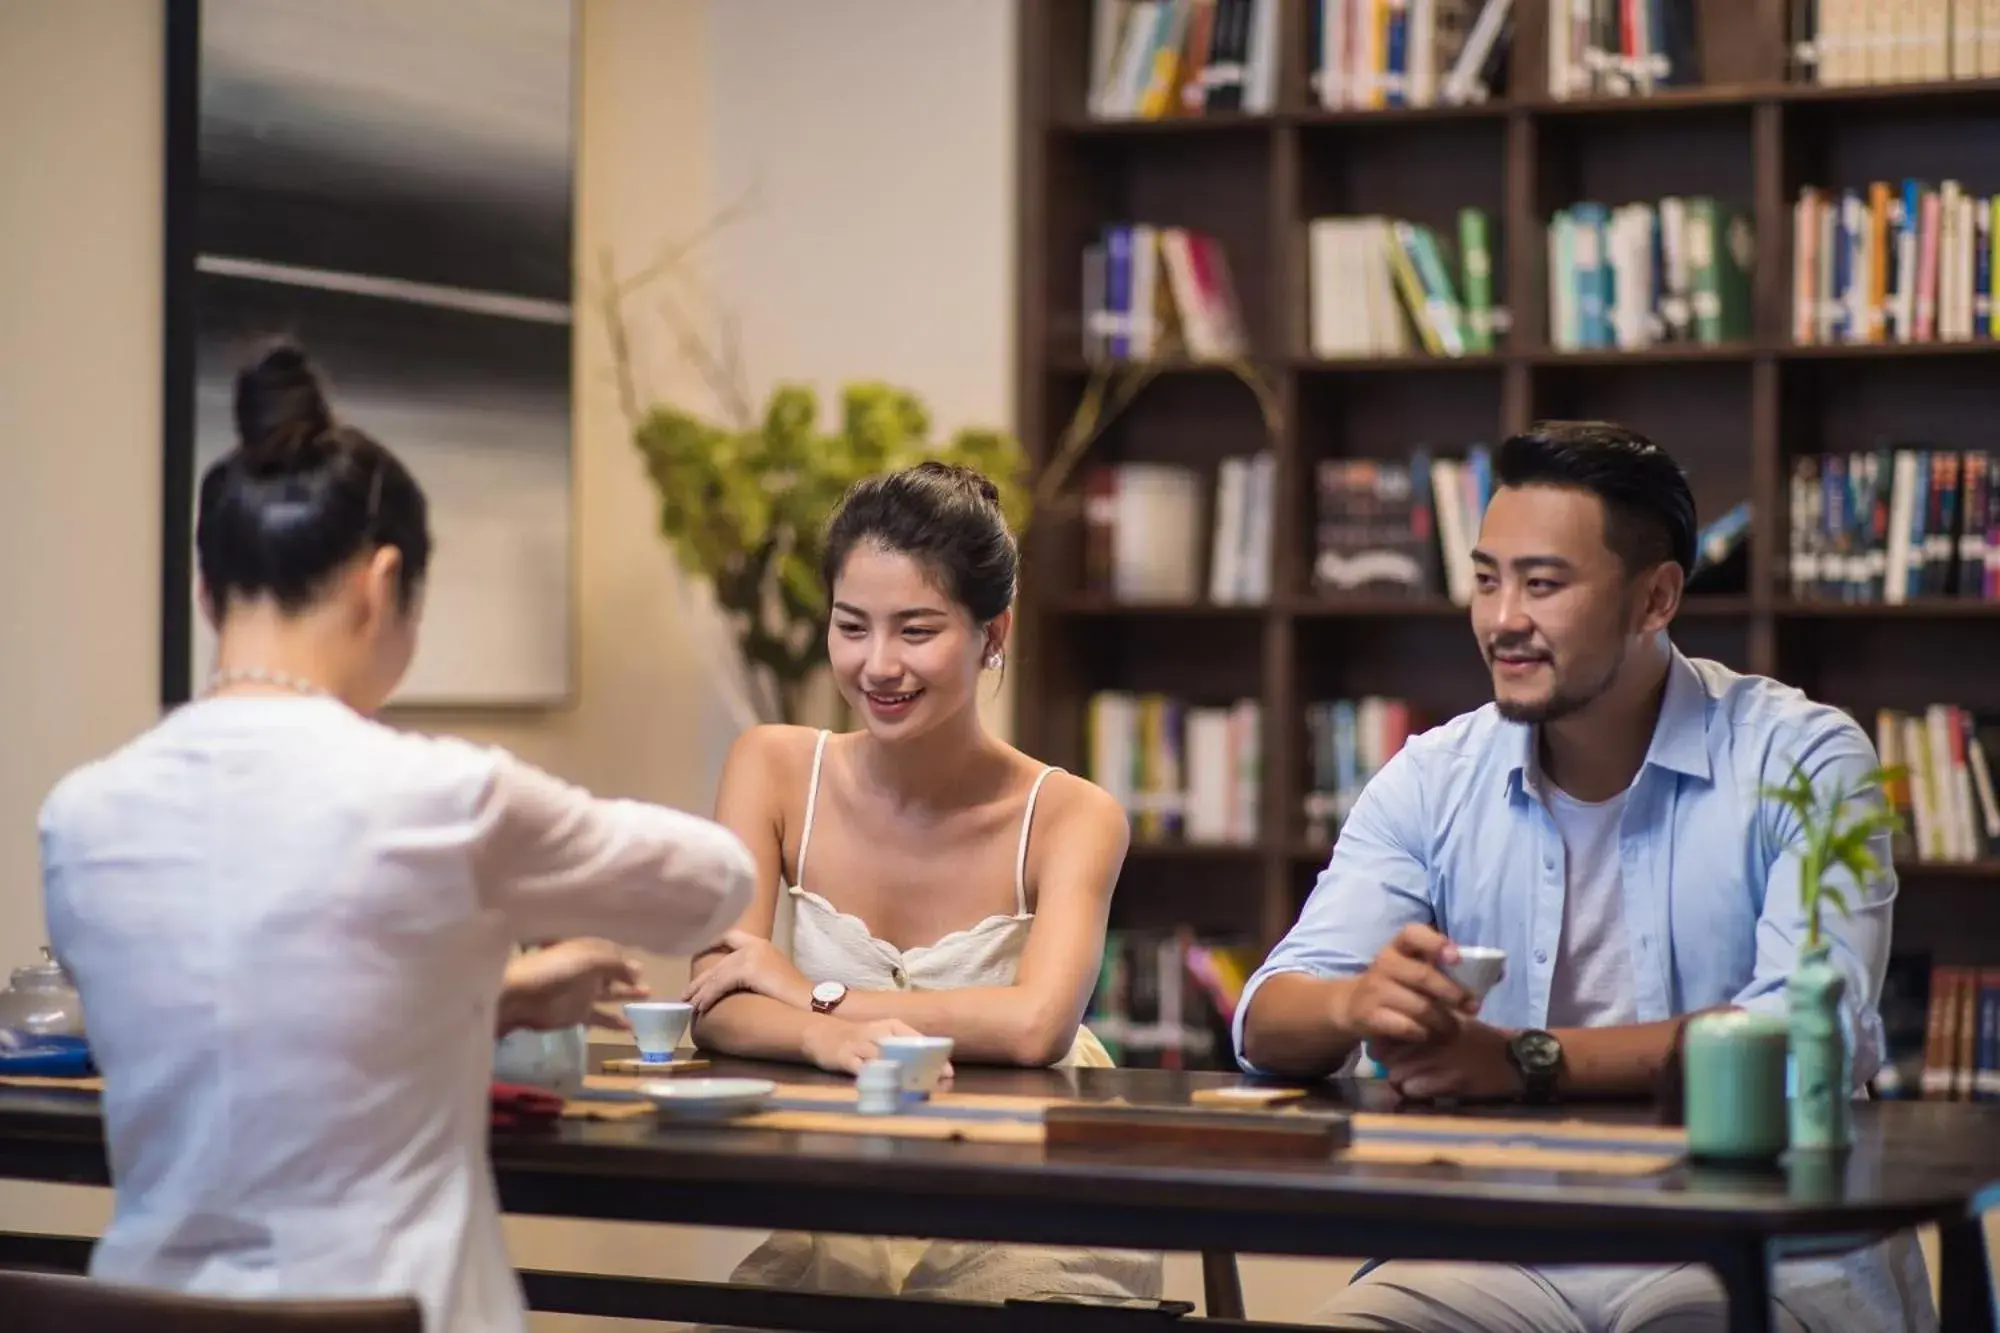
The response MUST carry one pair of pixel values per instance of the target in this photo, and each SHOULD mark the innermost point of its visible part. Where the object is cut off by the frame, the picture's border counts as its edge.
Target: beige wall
(79, 406)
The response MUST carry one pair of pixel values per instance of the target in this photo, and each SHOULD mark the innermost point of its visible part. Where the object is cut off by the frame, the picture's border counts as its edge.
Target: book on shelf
(1143, 529)
(1185, 773)
(1642, 274)
(1623, 48)
(1166, 999)
(1961, 1059)
(1891, 525)
(1347, 742)
(1941, 1024)
(1377, 534)
(1893, 263)
(1151, 291)
(1157, 59)
(1372, 55)
(1400, 527)
(1836, 42)
(1382, 286)
(1945, 795)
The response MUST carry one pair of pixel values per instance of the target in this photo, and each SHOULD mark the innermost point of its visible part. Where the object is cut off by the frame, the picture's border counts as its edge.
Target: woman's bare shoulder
(1076, 801)
(775, 752)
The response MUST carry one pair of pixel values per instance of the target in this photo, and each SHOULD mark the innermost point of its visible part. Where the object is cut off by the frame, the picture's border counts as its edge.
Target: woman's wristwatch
(826, 996)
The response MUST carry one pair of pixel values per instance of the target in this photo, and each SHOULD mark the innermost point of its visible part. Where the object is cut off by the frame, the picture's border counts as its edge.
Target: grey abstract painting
(390, 183)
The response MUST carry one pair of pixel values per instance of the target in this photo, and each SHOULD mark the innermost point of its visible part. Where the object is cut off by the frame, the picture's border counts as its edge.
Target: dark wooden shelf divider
(1734, 415)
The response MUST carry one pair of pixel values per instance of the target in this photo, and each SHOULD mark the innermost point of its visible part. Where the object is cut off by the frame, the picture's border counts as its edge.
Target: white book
(1902, 495)
(1156, 550)
(1422, 48)
(1260, 72)
(1209, 776)
(1330, 84)
(1454, 527)
(1225, 565)
(1262, 497)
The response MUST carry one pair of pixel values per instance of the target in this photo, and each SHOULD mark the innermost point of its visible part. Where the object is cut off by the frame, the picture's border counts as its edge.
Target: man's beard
(1561, 702)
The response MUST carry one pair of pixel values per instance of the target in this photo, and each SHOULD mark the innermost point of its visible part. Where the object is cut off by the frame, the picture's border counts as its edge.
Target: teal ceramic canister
(1735, 1065)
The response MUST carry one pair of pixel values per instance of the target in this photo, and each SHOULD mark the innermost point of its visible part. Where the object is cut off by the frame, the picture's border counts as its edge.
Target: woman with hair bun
(956, 886)
(291, 925)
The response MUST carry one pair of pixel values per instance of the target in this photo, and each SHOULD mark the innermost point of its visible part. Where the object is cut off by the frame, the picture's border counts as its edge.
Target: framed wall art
(390, 183)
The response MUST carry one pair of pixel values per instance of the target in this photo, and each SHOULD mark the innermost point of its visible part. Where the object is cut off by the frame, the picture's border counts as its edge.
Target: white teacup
(658, 1026)
(1478, 969)
(922, 1059)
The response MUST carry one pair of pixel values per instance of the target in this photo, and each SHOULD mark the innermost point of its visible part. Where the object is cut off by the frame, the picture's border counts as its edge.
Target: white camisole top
(831, 945)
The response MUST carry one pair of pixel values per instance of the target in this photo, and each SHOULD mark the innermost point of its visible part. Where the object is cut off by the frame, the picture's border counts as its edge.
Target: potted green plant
(1836, 833)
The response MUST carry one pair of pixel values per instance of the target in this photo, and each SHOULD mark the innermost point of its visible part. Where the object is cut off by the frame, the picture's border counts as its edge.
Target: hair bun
(963, 478)
(280, 408)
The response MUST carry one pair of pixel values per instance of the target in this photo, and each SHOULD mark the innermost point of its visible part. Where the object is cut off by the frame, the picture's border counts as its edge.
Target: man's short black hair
(1648, 509)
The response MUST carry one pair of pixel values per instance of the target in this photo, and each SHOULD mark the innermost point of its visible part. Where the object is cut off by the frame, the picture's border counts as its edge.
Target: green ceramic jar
(1735, 1086)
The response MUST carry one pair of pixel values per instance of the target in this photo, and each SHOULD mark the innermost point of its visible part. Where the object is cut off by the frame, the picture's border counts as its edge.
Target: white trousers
(1407, 1296)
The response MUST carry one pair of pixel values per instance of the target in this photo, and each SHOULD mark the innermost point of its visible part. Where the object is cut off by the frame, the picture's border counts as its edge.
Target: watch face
(827, 991)
(1538, 1050)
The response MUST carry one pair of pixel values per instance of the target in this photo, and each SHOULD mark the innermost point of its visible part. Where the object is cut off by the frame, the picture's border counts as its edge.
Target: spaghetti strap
(812, 799)
(1021, 855)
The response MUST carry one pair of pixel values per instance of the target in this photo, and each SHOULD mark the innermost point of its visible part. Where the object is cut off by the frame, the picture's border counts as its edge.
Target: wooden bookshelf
(1733, 415)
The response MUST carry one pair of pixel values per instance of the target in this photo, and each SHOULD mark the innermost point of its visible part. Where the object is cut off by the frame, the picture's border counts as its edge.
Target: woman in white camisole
(956, 888)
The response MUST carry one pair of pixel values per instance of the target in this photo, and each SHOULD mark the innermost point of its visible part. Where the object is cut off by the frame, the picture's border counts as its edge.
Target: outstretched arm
(559, 862)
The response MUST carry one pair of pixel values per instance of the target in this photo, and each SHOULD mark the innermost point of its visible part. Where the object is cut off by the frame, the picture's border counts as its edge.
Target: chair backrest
(51, 1303)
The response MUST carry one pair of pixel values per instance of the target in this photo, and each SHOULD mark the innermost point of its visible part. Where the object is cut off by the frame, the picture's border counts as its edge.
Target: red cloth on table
(520, 1106)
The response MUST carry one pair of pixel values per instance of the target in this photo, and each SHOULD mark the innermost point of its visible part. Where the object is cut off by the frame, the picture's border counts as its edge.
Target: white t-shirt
(289, 926)
(1591, 984)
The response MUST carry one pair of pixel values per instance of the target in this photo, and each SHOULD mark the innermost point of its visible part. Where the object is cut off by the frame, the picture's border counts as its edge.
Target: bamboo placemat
(41, 1081)
(1469, 1142)
(835, 1094)
(896, 1126)
(573, 1109)
(1577, 1131)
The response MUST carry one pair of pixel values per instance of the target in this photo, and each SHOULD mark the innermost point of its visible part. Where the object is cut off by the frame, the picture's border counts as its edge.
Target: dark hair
(301, 494)
(945, 517)
(1649, 513)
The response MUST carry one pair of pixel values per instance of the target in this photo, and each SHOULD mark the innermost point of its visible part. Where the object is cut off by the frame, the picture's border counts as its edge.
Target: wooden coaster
(686, 1064)
(587, 1108)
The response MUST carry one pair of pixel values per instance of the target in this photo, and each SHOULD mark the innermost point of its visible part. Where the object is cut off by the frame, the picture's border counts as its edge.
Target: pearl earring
(994, 660)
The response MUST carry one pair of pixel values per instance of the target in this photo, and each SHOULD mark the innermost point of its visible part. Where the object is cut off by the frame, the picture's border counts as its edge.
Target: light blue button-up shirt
(1453, 833)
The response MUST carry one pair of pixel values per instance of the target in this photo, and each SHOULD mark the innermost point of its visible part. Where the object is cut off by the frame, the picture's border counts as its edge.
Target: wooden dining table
(1911, 1164)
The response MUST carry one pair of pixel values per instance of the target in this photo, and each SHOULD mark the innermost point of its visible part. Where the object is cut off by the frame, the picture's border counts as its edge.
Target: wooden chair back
(53, 1303)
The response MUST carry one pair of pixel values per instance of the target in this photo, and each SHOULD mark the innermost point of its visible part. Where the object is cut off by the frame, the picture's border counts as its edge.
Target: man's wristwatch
(1537, 1057)
(828, 995)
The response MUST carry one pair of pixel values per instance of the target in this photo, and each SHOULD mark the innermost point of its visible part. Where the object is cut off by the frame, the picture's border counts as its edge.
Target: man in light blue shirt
(1600, 821)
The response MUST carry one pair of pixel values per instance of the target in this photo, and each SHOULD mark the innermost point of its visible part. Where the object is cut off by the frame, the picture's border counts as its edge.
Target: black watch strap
(1537, 1057)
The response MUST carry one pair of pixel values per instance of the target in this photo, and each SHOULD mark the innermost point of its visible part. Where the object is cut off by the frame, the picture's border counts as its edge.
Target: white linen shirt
(289, 926)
